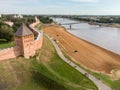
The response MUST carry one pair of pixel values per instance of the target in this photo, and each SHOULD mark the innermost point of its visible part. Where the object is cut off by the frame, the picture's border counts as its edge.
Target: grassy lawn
(114, 84)
(5, 44)
(40, 27)
(51, 66)
(16, 74)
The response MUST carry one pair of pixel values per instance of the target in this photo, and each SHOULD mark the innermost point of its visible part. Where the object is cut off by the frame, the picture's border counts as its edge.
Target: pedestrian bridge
(70, 24)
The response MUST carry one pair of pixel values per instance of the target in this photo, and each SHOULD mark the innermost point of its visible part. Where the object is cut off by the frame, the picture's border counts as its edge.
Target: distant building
(0, 15)
(9, 23)
(18, 16)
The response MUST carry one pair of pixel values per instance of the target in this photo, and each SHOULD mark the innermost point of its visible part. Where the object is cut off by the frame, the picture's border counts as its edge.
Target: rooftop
(23, 31)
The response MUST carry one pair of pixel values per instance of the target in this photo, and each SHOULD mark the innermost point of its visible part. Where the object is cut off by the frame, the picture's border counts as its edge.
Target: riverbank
(86, 54)
(106, 24)
(112, 25)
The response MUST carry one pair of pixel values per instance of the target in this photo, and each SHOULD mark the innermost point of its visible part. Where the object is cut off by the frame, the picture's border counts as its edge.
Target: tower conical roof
(23, 31)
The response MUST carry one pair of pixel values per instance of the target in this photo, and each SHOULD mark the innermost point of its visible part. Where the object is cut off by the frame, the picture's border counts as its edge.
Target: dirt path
(88, 55)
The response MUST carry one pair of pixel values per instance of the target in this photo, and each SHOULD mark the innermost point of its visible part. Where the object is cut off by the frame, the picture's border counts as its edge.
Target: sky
(61, 7)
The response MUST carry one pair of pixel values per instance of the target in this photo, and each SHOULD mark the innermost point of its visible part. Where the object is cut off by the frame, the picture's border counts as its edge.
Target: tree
(45, 20)
(6, 32)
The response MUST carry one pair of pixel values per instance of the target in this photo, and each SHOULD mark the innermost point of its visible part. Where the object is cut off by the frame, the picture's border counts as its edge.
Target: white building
(0, 15)
(9, 23)
(18, 16)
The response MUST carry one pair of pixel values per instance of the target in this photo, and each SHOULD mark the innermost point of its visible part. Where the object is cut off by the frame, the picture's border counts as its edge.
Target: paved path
(97, 82)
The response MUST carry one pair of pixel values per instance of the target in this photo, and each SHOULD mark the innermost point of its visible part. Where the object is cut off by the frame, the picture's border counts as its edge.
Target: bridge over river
(70, 24)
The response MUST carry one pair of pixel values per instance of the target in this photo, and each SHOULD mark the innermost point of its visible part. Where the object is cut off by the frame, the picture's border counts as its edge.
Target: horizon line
(62, 14)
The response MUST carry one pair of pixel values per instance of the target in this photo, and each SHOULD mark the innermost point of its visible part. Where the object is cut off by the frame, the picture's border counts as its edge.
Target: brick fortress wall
(39, 39)
(8, 53)
(14, 52)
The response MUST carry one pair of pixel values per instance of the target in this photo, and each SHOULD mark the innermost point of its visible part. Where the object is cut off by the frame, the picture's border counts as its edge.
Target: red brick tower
(24, 40)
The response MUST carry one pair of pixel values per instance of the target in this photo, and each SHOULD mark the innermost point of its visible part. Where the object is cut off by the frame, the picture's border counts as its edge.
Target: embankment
(88, 55)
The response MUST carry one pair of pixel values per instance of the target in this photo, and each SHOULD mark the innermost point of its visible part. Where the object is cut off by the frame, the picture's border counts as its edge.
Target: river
(105, 37)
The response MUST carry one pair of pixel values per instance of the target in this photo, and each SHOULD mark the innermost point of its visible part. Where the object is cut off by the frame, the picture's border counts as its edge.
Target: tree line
(7, 32)
(100, 20)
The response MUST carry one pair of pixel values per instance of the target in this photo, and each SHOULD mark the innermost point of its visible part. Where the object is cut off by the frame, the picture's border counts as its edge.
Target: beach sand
(85, 53)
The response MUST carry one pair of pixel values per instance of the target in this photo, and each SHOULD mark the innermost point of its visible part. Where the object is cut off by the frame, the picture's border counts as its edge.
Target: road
(97, 82)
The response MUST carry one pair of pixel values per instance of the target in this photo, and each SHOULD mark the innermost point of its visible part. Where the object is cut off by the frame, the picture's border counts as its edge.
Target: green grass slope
(5, 44)
(49, 72)
(54, 68)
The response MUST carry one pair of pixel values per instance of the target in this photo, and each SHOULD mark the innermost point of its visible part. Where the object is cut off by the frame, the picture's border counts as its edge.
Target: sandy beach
(85, 53)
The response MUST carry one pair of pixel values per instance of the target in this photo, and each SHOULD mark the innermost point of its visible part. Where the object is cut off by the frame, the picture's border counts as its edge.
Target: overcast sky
(77, 7)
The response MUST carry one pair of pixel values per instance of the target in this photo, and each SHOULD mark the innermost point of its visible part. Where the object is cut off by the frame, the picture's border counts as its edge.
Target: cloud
(84, 0)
